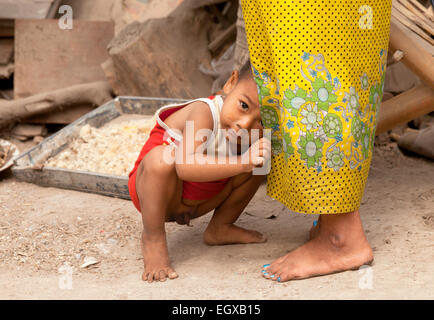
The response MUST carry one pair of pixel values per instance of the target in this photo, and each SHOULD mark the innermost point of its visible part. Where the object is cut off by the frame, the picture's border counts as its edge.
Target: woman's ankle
(341, 230)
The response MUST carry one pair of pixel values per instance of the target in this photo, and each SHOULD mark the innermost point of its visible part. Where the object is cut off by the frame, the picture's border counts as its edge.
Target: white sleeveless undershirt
(218, 140)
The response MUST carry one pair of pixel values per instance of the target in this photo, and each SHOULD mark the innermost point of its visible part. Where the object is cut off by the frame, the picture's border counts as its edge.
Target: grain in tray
(111, 149)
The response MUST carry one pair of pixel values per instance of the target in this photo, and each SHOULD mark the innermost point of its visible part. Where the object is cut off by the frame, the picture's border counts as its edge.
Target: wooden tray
(29, 166)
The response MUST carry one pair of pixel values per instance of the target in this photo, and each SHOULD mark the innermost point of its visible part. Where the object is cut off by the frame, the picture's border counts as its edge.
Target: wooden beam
(415, 16)
(25, 9)
(95, 93)
(7, 28)
(222, 38)
(427, 11)
(404, 107)
(401, 18)
(415, 57)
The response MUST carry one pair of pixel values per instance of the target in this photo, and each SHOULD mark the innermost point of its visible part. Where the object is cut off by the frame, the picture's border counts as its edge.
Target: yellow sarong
(320, 68)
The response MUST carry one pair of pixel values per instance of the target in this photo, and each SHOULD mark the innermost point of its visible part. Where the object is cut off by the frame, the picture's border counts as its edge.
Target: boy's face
(241, 109)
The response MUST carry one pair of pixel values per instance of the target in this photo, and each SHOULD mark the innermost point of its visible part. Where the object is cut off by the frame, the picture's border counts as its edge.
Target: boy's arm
(191, 163)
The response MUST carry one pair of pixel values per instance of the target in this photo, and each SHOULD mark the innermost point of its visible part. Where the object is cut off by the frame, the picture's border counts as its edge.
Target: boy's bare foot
(339, 245)
(231, 234)
(156, 260)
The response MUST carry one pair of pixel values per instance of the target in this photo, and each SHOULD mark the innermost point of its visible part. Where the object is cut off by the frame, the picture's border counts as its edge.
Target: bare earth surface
(42, 228)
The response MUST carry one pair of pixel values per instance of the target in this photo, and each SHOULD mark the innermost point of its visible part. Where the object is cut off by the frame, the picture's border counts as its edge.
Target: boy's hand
(257, 155)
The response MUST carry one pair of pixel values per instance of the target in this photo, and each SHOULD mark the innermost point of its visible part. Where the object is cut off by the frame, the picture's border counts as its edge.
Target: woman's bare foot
(156, 260)
(315, 228)
(231, 234)
(338, 245)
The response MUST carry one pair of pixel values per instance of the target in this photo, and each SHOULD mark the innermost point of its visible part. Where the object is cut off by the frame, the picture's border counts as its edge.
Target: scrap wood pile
(174, 49)
(412, 47)
(56, 75)
(417, 18)
(176, 56)
(8, 13)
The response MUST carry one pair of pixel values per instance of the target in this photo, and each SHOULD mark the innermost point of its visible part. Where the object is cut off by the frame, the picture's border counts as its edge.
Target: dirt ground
(41, 229)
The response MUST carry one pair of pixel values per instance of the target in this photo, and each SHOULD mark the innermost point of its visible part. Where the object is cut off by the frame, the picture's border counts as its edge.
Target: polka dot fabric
(320, 69)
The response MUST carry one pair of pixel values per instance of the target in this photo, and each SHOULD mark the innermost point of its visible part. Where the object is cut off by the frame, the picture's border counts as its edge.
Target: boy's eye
(244, 105)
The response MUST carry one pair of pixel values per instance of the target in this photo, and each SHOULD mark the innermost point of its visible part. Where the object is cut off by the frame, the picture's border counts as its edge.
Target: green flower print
(263, 91)
(262, 81)
(269, 116)
(332, 125)
(310, 149)
(335, 159)
(293, 101)
(276, 145)
(371, 146)
(311, 117)
(287, 147)
(352, 99)
(320, 134)
(323, 94)
(375, 96)
(356, 128)
(364, 80)
(383, 80)
(366, 141)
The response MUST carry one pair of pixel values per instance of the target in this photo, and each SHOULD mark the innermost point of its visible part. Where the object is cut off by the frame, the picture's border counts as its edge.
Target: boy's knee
(259, 178)
(245, 177)
(155, 166)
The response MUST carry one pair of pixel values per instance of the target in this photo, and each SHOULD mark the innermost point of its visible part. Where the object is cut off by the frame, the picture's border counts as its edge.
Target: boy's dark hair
(245, 70)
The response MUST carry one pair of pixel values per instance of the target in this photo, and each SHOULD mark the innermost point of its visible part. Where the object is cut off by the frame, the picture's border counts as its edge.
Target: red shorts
(190, 190)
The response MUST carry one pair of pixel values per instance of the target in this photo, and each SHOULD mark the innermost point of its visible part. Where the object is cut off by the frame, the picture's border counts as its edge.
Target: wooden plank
(6, 70)
(28, 130)
(53, 9)
(428, 47)
(415, 57)
(24, 9)
(94, 93)
(396, 15)
(417, 18)
(6, 28)
(428, 11)
(75, 180)
(6, 50)
(419, 141)
(405, 107)
(421, 14)
(223, 38)
(64, 117)
(61, 58)
(6, 32)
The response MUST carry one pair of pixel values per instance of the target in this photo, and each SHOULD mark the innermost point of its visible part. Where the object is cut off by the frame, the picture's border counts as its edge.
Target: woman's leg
(338, 244)
(322, 105)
